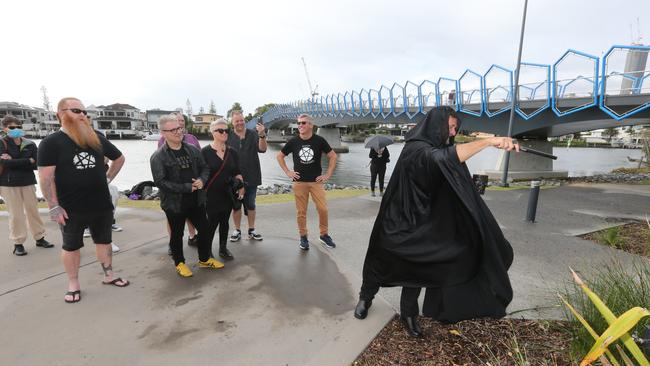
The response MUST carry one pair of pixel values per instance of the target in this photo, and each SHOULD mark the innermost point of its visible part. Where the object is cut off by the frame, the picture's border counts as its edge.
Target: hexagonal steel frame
(417, 105)
(365, 108)
(603, 86)
(486, 97)
(436, 100)
(356, 103)
(459, 93)
(555, 87)
(523, 114)
(372, 102)
(455, 106)
(385, 112)
(394, 99)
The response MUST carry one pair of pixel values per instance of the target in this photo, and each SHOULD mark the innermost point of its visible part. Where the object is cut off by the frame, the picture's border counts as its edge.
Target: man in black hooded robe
(433, 230)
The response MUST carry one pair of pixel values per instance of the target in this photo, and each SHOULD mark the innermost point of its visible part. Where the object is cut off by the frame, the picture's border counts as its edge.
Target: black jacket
(18, 171)
(376, 159)
(166, 174)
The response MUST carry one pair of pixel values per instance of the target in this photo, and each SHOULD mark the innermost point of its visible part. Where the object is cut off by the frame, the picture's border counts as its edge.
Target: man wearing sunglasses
(247, 143)
(307, 177)
(75, 186)
(18, 186)
(192, 140)
(180, 173)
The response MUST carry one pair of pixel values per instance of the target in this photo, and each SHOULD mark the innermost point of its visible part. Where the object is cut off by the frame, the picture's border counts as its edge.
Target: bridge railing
(576, 81)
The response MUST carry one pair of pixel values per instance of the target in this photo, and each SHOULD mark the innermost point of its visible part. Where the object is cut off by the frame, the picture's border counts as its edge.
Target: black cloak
(433, 230)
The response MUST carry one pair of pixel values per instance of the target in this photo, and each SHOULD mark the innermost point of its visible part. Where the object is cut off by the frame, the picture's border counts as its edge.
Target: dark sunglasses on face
(14, 127)
(302, 123)
(221, 130)
(76, 111)
(174, 130)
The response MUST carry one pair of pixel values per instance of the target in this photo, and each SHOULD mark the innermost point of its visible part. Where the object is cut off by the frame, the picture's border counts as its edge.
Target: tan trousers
(301, 191)
(23, 211)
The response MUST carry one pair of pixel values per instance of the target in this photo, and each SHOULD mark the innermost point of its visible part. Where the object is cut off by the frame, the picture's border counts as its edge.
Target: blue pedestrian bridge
(578, 92)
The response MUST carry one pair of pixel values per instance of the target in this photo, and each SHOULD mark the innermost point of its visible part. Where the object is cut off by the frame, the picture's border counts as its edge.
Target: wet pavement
(274, 304)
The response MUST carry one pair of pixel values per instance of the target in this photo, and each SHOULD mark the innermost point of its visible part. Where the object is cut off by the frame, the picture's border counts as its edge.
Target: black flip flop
(73, 293)
(115, 281)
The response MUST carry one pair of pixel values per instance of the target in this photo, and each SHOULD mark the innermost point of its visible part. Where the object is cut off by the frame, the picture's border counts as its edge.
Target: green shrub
(621, 288)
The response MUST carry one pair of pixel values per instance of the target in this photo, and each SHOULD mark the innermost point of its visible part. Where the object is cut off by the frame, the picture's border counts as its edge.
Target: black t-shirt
(249, 160)
(80, 176)
(185, 162)
(307, 156)
(186, 175)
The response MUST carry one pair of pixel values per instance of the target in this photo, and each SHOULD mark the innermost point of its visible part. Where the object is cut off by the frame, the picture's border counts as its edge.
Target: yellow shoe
(211, 263)
(183, 270)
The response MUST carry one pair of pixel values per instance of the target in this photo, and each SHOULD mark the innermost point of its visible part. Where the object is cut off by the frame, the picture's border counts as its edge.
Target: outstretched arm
(467, 150)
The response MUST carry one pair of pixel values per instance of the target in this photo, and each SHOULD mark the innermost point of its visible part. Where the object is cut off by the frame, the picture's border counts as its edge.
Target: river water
(352, 168)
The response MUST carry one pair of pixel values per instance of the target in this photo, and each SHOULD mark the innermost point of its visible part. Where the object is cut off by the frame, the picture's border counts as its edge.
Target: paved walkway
(272, 305)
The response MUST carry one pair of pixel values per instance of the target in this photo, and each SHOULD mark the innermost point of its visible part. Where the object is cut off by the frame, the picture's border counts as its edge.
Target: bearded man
(75, 186)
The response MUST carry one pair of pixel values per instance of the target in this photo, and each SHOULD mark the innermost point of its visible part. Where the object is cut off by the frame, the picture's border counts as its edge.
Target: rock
(262, 191)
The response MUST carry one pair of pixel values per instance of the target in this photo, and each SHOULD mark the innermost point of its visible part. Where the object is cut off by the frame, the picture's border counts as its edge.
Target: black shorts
(99, 224)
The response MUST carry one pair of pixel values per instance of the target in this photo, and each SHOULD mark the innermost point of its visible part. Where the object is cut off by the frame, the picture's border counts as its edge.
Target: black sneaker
(327, 240)
(19, 250)
(253, 235)
(236, 235)
(304, 243)
(193, 242)
(43, 243)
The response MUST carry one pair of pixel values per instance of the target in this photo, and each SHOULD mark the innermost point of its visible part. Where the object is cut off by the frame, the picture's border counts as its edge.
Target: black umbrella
(378, 141)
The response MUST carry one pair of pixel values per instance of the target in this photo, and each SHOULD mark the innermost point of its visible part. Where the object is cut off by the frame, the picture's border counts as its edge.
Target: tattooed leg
(108, 269)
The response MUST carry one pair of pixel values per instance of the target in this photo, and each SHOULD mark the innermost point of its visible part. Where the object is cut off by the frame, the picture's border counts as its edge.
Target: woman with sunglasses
(224, 170)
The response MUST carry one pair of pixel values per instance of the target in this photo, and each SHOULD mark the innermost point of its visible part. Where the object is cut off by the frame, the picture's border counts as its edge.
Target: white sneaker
(86, 233)
(115, 248)
(116, 228)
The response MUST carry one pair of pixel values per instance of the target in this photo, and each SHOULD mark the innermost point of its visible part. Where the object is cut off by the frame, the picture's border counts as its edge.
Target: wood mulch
(632, 237)
(471, 342)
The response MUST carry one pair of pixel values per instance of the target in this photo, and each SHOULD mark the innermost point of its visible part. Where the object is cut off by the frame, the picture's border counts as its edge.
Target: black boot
(225, 253)
(361, 311)
(411, 325)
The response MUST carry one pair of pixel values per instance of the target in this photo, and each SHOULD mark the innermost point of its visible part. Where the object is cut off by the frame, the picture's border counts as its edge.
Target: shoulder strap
(223, 164)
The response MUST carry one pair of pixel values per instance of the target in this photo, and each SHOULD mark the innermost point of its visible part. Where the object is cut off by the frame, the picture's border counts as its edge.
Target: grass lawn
(261, 200)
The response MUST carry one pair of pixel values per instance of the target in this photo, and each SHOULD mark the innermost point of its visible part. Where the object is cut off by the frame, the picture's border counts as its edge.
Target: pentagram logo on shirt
(306, 155)
(84, 160)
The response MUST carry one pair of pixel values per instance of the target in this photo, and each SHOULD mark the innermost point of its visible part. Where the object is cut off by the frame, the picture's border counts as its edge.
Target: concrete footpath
(274, 304)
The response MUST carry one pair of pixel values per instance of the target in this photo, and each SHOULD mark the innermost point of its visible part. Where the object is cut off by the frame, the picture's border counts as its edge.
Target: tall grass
(620, 287)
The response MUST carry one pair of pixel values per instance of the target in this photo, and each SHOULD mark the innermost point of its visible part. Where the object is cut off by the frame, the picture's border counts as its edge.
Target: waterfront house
(37, 122)
(118, 120)
(201, 123)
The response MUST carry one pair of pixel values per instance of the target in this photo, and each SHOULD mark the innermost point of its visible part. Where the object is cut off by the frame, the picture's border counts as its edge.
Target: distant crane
(313, 91)
(46, 99)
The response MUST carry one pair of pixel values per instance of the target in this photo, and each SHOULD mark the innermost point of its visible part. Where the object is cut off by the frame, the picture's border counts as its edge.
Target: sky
(160, 54)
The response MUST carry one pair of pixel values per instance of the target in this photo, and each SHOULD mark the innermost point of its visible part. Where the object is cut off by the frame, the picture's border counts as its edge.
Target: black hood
(434, 128)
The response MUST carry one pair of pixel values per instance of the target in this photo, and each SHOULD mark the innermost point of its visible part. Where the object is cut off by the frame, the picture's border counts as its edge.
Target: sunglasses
(221, 130)
(302, 123)
(14, 127)
(76, 111)
(174, 130)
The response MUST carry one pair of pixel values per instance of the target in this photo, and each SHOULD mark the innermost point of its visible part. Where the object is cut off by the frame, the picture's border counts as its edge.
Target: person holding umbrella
(379, 156)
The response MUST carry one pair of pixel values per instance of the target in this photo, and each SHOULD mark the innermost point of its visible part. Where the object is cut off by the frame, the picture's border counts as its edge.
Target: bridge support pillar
(333, 137)
(275, 136)
(525, 166)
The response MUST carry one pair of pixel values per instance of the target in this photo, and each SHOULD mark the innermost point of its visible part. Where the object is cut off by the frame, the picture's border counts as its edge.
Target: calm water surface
(352, 168)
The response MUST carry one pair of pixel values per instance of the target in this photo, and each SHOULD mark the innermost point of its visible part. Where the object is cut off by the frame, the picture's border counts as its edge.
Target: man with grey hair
(247, 143)
(307, 177)
(180, 173)
(192, 140)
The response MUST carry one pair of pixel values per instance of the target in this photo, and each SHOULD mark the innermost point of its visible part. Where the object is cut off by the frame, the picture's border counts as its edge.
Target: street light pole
(515, 92)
